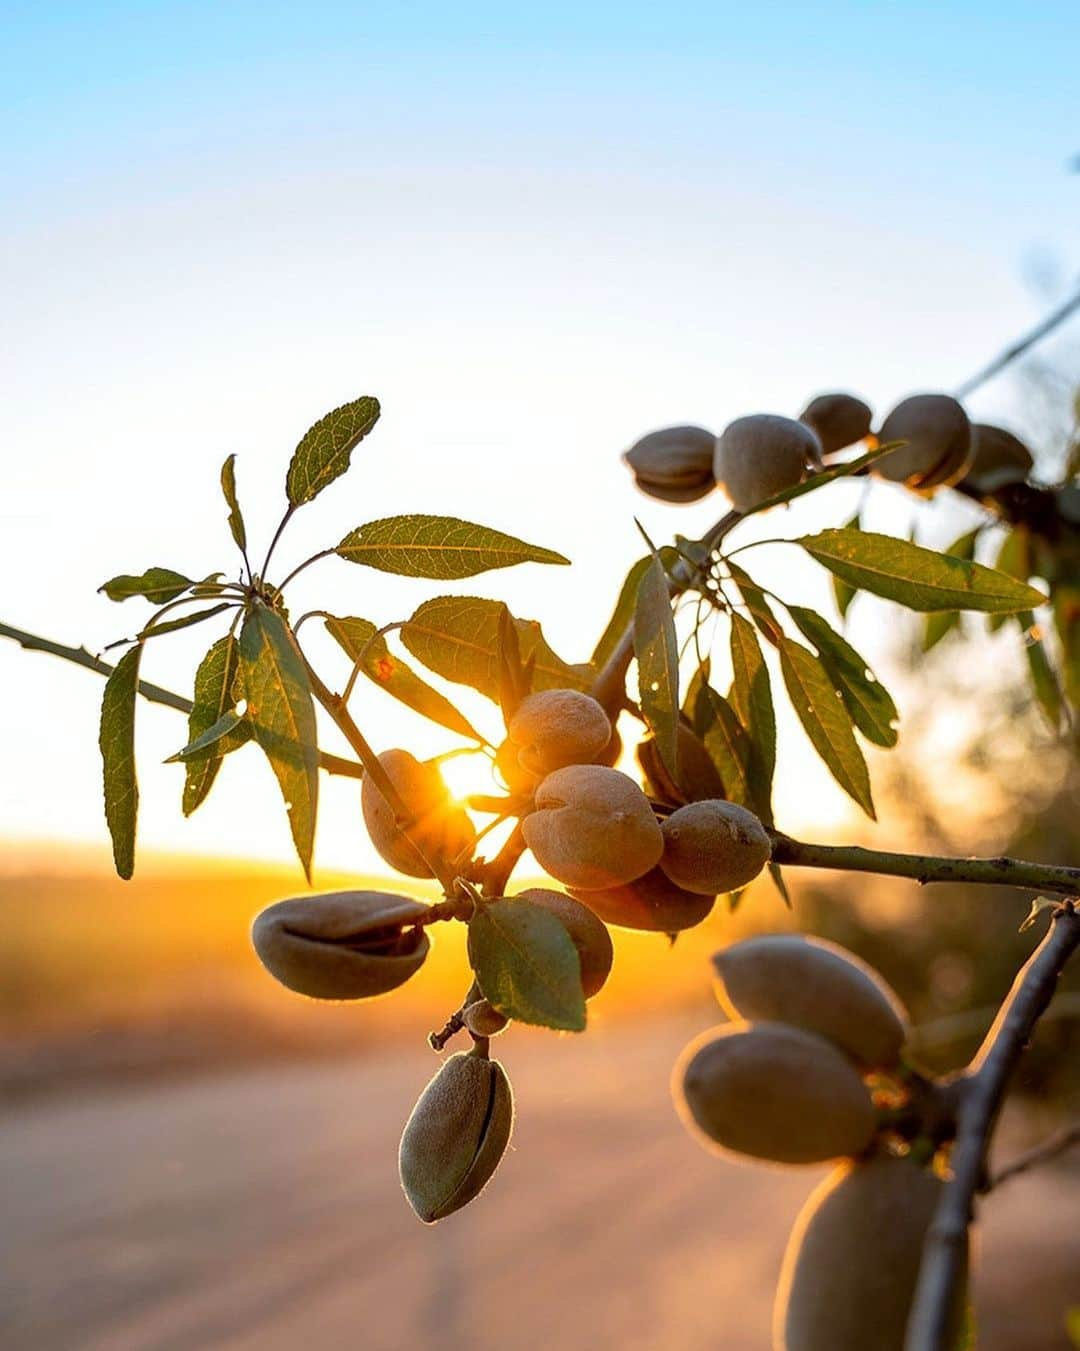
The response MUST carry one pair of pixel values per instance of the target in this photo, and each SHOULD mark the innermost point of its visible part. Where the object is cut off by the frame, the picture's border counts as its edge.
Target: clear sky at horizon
(534, 234)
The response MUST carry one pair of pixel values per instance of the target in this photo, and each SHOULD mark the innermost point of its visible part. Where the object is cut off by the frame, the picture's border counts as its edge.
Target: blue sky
(535, 233)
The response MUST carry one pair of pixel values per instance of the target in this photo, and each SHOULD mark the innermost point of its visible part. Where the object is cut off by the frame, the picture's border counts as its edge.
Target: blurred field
(101, 979)
(194, 1159)
(260, 1211)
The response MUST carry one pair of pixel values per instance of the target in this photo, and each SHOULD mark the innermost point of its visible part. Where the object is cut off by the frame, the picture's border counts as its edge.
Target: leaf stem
(277, 535)
(944, 1258)
(323, 553)
(925, 868)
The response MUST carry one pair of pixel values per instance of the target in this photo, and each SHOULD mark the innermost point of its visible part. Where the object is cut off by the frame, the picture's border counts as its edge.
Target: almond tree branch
(155, 694)
(924, 868)
(986, 1080)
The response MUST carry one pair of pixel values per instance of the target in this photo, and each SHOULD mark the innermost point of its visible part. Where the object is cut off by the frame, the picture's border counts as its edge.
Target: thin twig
(925, 868)
(1053, 320)
(155, 694)
(1058, 1143)
(944, 1258)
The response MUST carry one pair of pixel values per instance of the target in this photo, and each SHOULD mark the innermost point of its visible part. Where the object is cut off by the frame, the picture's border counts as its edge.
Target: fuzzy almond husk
(456, 1135)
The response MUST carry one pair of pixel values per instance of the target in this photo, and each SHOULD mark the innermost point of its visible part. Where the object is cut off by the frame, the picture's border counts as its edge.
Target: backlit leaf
(868, 702)
(282, 717)
(156, 584)
(357, 639)
(220, 731)
(623, 615)
(728, 744)
(755, 601)
(218, 689)
(826, 721)
(326, 448)
(438, 547)
(751, 698)
(526, 964)
(918, 578)
(457, 637)
(1043, 679)
(228, 488)
(117, 742)
(656, 648)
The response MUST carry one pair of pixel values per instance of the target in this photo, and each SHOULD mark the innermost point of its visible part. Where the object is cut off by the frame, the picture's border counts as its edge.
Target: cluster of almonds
(785, 1081)
(623, 857)
(762, 454)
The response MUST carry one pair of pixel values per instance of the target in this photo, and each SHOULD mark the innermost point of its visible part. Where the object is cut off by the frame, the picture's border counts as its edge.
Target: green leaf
(526, 964)
(457, 637)
(282, 718)
(816, 481)
(153, 630)
(117, 742)
(826, 721)
(728, 745)
(843, 591)
(156, 584)
(1014, 559)
(438, 547)
(1043, 680)
(228, 487)
(656, 648)
(918, 578)
(623, 615)
(755, 602)
(223, 728)
(218, 689)
(1072, 1324)
(378, 663)
(325, 449)
(868, 702)
(751, 698)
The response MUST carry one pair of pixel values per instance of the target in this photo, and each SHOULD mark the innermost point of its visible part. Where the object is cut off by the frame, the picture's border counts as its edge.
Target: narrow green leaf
(844, 592)
(1043, 679)
(656, 648)
(235, 518)
(693, 694)
(438, 547)
(826, 721)
(156, 584)
(153, 630)
(383, 668)
(942, 622)
(117, 742)
(282, 717)
(526, 964)
(1014, 559)
(326, 448)
(623, 615)
(751, 697)
(754, 600)
(218, 689)
(728, 745)
(225, 726)
(868, 702)
(457, 637)
(918, 578)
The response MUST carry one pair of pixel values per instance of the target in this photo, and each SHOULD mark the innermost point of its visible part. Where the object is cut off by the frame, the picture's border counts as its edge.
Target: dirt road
(262, 1210)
